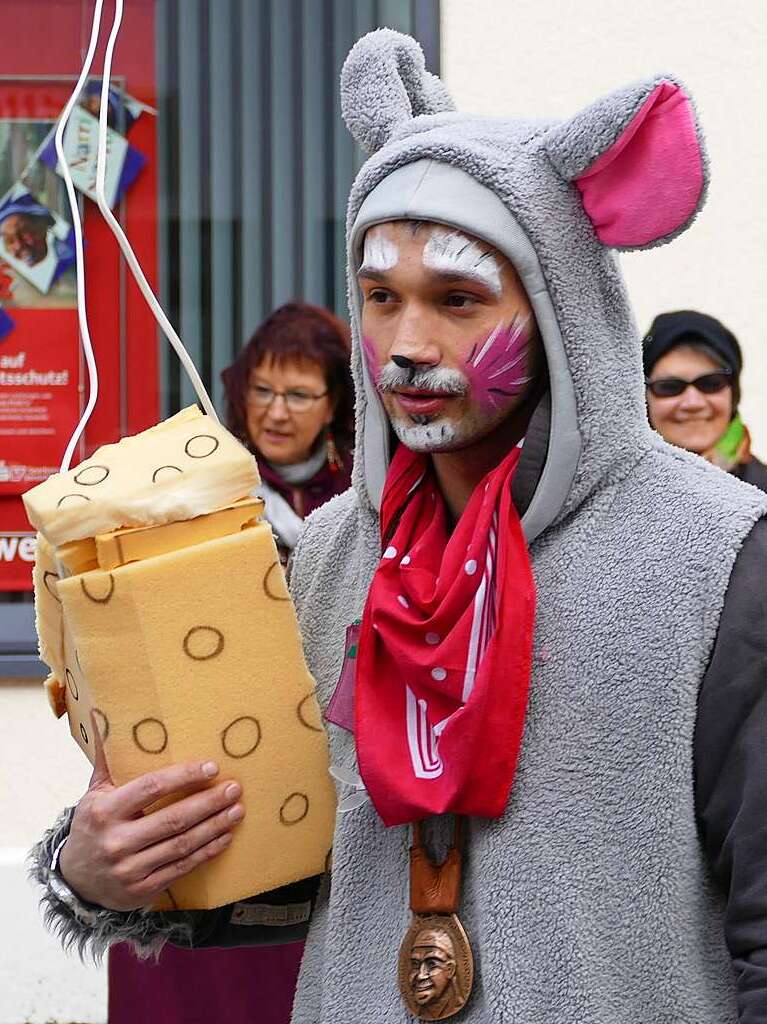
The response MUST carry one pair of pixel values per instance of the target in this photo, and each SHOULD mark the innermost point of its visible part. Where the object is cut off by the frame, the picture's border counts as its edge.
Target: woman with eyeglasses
(692, 365)
(290, 401)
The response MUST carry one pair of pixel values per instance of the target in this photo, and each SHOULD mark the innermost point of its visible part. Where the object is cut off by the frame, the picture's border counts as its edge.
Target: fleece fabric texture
(590, 899)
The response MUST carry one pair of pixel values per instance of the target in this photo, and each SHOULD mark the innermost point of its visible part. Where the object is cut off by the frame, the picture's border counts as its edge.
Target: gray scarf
(285, 522)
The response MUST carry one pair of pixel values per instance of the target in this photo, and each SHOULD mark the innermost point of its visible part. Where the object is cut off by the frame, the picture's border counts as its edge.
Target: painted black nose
(403, 362)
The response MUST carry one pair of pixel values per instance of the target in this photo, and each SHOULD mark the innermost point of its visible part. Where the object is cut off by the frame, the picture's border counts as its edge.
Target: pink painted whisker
(488, 344)
(497, 366)
(371, 359)
(508, 366)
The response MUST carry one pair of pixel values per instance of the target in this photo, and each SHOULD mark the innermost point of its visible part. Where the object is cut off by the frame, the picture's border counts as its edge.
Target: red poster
(42, 385)
(39, 401)
(17, 546)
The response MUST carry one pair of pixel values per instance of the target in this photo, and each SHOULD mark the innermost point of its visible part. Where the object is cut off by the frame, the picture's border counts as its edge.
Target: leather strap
(435, 888)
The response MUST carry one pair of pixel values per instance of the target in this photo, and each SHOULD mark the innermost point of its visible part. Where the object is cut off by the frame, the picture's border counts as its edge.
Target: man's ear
(638, 159)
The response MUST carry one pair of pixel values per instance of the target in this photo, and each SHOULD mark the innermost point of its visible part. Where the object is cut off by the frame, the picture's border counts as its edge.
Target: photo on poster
(36, 243)
(36, 236)
(123, 162)
(123, 110)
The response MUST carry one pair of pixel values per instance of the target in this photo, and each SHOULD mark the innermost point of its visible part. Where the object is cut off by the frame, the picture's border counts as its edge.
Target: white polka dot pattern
(432, 638)
(470, 567)
(440, 674)
(390, 553)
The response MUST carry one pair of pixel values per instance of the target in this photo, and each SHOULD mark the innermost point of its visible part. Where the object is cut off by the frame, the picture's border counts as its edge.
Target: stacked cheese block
(162, 608)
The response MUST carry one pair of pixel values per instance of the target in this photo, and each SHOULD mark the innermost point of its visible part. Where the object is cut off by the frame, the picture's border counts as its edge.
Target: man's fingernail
(210, 768)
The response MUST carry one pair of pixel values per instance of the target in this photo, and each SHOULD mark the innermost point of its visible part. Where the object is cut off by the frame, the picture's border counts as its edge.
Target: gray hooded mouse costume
(591, 899)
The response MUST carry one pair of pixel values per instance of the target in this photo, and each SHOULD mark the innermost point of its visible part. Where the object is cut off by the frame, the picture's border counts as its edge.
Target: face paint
(453, 252)
(494, 373)
(438, 379)
(416, 433)
(379, 253)
(462, 375)
(497, 369)
(426, 437)
(370, 356)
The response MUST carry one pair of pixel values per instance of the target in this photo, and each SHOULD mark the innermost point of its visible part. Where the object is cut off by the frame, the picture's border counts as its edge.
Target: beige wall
(41, 771)
(552, 58)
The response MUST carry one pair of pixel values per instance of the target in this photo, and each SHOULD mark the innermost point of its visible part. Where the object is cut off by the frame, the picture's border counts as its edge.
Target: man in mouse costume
(551, 803)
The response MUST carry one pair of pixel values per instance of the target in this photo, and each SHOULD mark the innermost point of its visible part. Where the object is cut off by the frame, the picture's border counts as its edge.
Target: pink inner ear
(649, 182)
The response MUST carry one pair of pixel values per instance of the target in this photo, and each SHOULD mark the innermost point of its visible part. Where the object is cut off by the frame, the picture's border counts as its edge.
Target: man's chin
(435, 437)
(427, 438)
(693, 441)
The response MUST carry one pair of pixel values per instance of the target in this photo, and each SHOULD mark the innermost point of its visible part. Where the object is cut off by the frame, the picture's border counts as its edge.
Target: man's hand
(120, 858)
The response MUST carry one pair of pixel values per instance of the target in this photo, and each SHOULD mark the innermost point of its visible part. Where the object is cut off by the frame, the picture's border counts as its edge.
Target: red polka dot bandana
(445, 649)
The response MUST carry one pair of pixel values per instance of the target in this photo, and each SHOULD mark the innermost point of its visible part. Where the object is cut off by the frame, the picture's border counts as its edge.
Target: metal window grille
(255, 162)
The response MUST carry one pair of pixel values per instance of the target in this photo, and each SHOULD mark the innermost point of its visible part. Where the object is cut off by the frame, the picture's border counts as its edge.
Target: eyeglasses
(296, 401)
(707, 384)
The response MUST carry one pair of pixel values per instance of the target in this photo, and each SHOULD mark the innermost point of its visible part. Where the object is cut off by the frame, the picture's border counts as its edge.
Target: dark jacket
(752, 472)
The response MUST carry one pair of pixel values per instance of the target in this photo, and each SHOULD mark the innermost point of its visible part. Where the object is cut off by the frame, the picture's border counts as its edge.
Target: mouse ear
(384, 83)
(638, 159)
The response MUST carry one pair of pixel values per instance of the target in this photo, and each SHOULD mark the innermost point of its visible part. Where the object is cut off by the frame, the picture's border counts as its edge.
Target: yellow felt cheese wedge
(48, 611)
(77, 556)
(124, 546)
(185, 467)
(77, 696)
(57, 696)
(195, 654)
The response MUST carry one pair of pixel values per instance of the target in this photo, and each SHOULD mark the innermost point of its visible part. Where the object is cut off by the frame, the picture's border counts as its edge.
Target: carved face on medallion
(432, 966)
(435, 968)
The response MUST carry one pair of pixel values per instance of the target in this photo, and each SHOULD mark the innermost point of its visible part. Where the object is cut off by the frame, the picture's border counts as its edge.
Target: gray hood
(524, 186)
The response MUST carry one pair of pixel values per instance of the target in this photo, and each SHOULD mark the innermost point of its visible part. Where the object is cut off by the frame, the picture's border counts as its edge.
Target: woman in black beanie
(692, 365)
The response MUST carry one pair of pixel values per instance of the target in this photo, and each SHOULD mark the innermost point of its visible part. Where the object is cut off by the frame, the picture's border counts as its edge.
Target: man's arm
(731, 770)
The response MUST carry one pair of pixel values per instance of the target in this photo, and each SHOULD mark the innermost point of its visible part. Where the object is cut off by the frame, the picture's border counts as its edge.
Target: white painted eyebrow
(454, 253)
(379, 253)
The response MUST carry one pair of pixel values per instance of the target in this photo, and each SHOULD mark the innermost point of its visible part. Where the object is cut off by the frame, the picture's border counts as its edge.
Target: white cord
(85, 338)
(119, 234)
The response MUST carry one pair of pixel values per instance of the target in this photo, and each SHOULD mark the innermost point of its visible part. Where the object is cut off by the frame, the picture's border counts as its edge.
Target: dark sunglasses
(707, 384)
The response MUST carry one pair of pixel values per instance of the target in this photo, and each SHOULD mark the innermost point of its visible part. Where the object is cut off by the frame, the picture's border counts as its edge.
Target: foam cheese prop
(162, 608)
